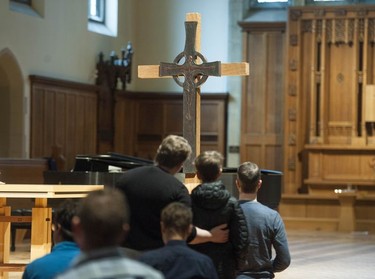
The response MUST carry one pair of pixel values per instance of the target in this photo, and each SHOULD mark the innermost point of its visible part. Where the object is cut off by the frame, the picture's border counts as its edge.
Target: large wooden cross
(195, 70)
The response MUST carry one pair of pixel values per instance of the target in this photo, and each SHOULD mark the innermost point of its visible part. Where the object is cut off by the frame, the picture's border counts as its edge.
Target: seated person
(266, 228)
(64, 250)
(176, 259)
(212, 204)
(99, 228)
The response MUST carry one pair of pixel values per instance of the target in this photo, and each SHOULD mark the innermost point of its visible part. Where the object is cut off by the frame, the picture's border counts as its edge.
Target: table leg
(347, 213)
(40, 232)
(5, 236)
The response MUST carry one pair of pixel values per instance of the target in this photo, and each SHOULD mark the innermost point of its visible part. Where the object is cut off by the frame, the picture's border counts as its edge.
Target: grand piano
(106, 169)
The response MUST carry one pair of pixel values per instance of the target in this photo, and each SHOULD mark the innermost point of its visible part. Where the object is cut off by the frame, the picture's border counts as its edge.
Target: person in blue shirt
(266, 228)
(64, 250)
(176, 259)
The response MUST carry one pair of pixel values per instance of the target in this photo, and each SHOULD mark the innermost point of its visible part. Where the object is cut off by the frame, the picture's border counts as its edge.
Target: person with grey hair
(99, 228)
(266, 228)
(150, 188)
(213, 204)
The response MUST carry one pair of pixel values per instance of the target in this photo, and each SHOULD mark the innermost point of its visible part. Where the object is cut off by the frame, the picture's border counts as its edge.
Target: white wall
(58, 44)
(160, 37)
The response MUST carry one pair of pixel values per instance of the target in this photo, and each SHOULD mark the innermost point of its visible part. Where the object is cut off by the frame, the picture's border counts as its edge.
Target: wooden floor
(315, 255)
(330, 255)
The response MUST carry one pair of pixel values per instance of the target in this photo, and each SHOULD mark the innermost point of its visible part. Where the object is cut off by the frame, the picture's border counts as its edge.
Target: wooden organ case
(330, 100)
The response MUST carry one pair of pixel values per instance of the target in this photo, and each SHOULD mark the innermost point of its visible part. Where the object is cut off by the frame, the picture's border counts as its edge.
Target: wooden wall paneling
(154, 115)
(90, 122)
(22, 171)
(150, 128)
(124, 125)
(369, 113)
(358, 131)
(150, 118)
(49, 120)
(292, 119)
(341, 89)
(338, 167)
(70, 137)
(273, 155)
(60, 110)
(64, 114)
(323, 85)
(262, 102)
(364, 209)
(173, 118)
(213, 128)
(253, 101)
(310, 78)
(37, 121)
(330, 58)
(369, 54)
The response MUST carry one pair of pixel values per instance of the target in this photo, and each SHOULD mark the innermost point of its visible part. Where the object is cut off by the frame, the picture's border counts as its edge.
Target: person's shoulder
(151, 254)
(201, 259)
(120, 265)
(139, 169)
(141, 269)
(267, 211)
(133, 174)
(42, 261)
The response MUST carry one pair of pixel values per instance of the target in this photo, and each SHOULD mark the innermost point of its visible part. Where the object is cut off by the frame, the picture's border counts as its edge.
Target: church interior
(70, 88)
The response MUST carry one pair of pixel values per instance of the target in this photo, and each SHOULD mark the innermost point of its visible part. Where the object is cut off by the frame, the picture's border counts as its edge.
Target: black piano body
(106, 169)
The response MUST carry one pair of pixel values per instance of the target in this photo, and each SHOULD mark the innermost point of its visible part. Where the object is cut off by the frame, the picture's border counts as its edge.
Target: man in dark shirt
(150, 188)
(176, 259)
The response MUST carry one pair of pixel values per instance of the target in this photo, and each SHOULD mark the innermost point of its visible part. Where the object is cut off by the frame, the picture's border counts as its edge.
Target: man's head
(173, 152)
(176, 219)
(62, 221)
(102, 219)
(209, 165)
(248, 178)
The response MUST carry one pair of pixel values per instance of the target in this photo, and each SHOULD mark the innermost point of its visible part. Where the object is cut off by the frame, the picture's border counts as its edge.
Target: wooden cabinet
(144, 119)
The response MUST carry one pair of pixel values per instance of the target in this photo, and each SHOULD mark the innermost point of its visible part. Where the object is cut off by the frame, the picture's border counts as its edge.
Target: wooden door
(262, 99)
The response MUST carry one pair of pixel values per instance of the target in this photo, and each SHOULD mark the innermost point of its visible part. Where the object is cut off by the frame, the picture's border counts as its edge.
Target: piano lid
(105, 162)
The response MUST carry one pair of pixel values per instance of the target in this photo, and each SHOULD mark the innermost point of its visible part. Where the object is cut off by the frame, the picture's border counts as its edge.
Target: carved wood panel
(62, 114)
(262, 100)
(331, 58)
(144, 119)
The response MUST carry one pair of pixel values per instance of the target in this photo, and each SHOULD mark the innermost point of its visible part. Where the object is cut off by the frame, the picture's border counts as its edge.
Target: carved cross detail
(195, 74)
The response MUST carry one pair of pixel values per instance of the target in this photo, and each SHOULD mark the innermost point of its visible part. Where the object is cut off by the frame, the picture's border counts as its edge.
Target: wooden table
(41, 217)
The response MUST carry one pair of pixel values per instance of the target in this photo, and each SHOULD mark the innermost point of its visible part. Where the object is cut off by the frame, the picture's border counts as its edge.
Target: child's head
(209, 165)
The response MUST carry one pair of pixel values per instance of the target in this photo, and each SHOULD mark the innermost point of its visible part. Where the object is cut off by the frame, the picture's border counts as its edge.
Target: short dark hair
(249, 175)
(173, 150)
(62, 217)
(209, 164)
(103, 214)
(177, 218)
